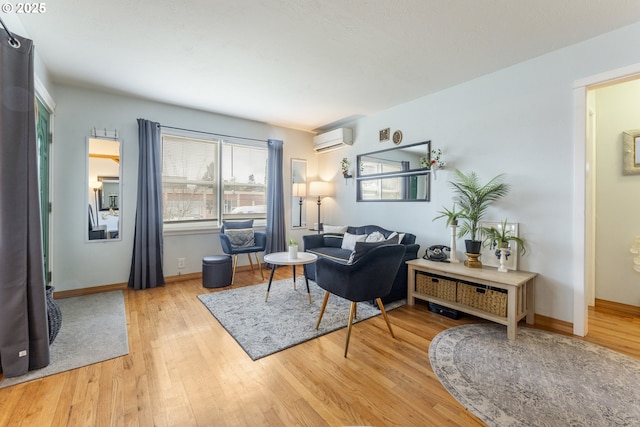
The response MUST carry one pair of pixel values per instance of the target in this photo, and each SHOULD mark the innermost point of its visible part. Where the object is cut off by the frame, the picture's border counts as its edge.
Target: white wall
(516, 121)
(79, 264)
(618, 203)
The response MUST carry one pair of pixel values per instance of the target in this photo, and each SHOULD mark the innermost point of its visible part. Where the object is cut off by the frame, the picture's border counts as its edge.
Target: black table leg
(294, 277)
(273, 269)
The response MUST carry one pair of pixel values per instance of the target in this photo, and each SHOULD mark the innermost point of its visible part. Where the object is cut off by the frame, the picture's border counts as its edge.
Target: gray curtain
(276, 241)
(146, 263)
(24, 335)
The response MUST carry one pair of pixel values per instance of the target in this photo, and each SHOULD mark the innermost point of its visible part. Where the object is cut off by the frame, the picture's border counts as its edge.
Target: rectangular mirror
(298, 193)
(395, 174)
(104, 189)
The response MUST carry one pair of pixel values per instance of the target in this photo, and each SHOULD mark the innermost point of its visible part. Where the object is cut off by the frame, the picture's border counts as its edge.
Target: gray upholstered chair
(368, 277)
(239, 237)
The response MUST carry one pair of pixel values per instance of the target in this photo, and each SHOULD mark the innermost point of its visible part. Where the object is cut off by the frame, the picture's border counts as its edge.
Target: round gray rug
(539, 379)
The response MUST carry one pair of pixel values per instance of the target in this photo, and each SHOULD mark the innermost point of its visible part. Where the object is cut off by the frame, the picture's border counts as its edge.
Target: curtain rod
(12, 40)
(216, 134)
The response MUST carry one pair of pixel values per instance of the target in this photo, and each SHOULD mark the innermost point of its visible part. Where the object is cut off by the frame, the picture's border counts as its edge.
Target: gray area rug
(94, 329)
(539, 379)
(287, 319)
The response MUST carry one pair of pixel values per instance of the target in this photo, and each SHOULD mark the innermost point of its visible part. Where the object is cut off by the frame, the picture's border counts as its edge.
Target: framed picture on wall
(631, 152)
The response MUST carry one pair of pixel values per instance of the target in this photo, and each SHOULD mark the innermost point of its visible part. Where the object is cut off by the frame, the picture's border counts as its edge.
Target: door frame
(583, 260)
(45, 98)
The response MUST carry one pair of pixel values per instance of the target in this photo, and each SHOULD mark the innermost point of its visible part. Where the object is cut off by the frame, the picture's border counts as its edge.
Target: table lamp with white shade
(320, 189)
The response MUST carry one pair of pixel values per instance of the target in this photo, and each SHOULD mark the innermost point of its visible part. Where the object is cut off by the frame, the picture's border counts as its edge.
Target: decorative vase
(293, 251)
(504, 252)
(54, 315)
(473, 253)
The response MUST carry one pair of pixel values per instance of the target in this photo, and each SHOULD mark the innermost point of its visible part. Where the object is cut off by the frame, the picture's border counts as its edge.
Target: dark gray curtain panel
(24, 333)
(276, 241)
(146, 263)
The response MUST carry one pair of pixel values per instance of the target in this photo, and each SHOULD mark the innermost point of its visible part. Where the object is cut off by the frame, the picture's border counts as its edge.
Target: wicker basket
(435, 286)
(485, 298)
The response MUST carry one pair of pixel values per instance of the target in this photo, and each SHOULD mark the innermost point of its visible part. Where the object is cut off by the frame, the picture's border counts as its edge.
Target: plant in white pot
(502, 239)
(452, 221)
(293, 248)
(474, 200)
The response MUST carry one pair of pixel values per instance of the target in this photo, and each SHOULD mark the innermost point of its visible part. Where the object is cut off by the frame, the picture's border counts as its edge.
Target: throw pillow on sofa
(349, 240)
(334, 228)
(376, 236)
(362, 248)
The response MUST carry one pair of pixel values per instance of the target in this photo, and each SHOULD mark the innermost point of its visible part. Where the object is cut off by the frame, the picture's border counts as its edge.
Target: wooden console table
(519, 287)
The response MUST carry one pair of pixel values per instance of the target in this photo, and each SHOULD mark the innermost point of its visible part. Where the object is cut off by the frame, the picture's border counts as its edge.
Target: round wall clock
(397, 137)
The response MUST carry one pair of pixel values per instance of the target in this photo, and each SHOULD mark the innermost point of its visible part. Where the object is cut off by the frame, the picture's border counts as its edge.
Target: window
(212, 180)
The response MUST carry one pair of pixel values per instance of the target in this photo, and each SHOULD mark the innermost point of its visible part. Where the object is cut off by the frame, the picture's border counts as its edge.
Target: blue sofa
(328, 246)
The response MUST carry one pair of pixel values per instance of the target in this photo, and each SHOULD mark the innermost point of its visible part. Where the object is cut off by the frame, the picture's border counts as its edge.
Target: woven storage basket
(485, 298)
(435, 286)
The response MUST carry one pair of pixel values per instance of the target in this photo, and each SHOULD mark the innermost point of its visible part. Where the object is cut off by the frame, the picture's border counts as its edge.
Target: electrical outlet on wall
(181, 262)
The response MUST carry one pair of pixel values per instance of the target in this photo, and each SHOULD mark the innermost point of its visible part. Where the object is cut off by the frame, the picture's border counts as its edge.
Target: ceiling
(303, 64)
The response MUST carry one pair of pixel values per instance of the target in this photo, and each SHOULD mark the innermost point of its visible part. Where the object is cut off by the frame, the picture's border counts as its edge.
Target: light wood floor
(184, 369)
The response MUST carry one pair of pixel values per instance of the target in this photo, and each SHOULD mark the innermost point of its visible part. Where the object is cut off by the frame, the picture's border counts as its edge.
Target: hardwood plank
(184, 369)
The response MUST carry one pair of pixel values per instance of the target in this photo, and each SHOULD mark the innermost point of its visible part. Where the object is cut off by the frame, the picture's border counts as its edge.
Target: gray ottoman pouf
(216, 271)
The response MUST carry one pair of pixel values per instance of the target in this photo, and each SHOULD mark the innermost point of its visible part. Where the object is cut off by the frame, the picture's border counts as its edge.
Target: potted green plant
(474, 200)
(451, 215)
(501, 237)
(293, 248)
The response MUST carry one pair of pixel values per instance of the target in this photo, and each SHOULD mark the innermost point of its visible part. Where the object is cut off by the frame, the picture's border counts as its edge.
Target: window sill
(205, 227)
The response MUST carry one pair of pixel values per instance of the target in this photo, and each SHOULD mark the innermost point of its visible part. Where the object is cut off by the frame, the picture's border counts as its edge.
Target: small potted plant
(345, 165)
(501, 238)
(451, 215)
(293, 248)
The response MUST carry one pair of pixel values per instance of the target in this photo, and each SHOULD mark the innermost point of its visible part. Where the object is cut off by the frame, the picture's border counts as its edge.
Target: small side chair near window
(239, 237)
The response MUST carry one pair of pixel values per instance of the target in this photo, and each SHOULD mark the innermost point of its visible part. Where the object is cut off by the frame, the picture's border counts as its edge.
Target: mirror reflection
(104, 189)
(395, 174)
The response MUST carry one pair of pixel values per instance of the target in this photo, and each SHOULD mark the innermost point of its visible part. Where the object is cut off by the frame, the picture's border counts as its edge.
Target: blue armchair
(369, 277)
(239, 237)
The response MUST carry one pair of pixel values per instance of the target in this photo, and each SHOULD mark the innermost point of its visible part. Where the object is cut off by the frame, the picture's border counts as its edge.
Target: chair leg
(233, 274)
(259, 265)
(384, 315)
(324, 304)
(352, 313)
(250, 261)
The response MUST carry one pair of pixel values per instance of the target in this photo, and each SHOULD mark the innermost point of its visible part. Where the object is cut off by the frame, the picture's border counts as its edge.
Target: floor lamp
(300, 191)
(96, 185)
(320, 189)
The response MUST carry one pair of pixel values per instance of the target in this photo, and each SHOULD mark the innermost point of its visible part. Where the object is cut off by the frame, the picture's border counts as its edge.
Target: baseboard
(617, 307)
(551, 323)
(118, 286)
(88, 291)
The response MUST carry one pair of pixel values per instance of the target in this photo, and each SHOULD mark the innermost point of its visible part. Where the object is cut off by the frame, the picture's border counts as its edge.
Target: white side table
(282, 258)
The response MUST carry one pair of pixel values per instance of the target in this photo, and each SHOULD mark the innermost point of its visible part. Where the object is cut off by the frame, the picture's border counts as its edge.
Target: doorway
(585, 190)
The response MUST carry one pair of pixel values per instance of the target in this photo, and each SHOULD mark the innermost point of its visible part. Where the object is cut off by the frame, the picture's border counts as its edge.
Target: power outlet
(181, 262)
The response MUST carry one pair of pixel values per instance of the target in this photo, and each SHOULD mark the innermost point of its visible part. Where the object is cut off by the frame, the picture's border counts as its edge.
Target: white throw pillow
(349, 240)
(376, 236)
(395, 233)
(334, 228)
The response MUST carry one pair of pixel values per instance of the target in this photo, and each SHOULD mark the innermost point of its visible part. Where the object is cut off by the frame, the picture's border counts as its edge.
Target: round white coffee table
(282, 258)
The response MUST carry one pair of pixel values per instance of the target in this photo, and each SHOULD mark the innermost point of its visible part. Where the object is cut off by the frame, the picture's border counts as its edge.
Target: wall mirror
(298, 193)
(104, 189)
(631, 152)
(395, 174)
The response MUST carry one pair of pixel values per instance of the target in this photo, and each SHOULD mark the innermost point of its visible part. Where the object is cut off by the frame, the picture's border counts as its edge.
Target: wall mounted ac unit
(332, 140)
